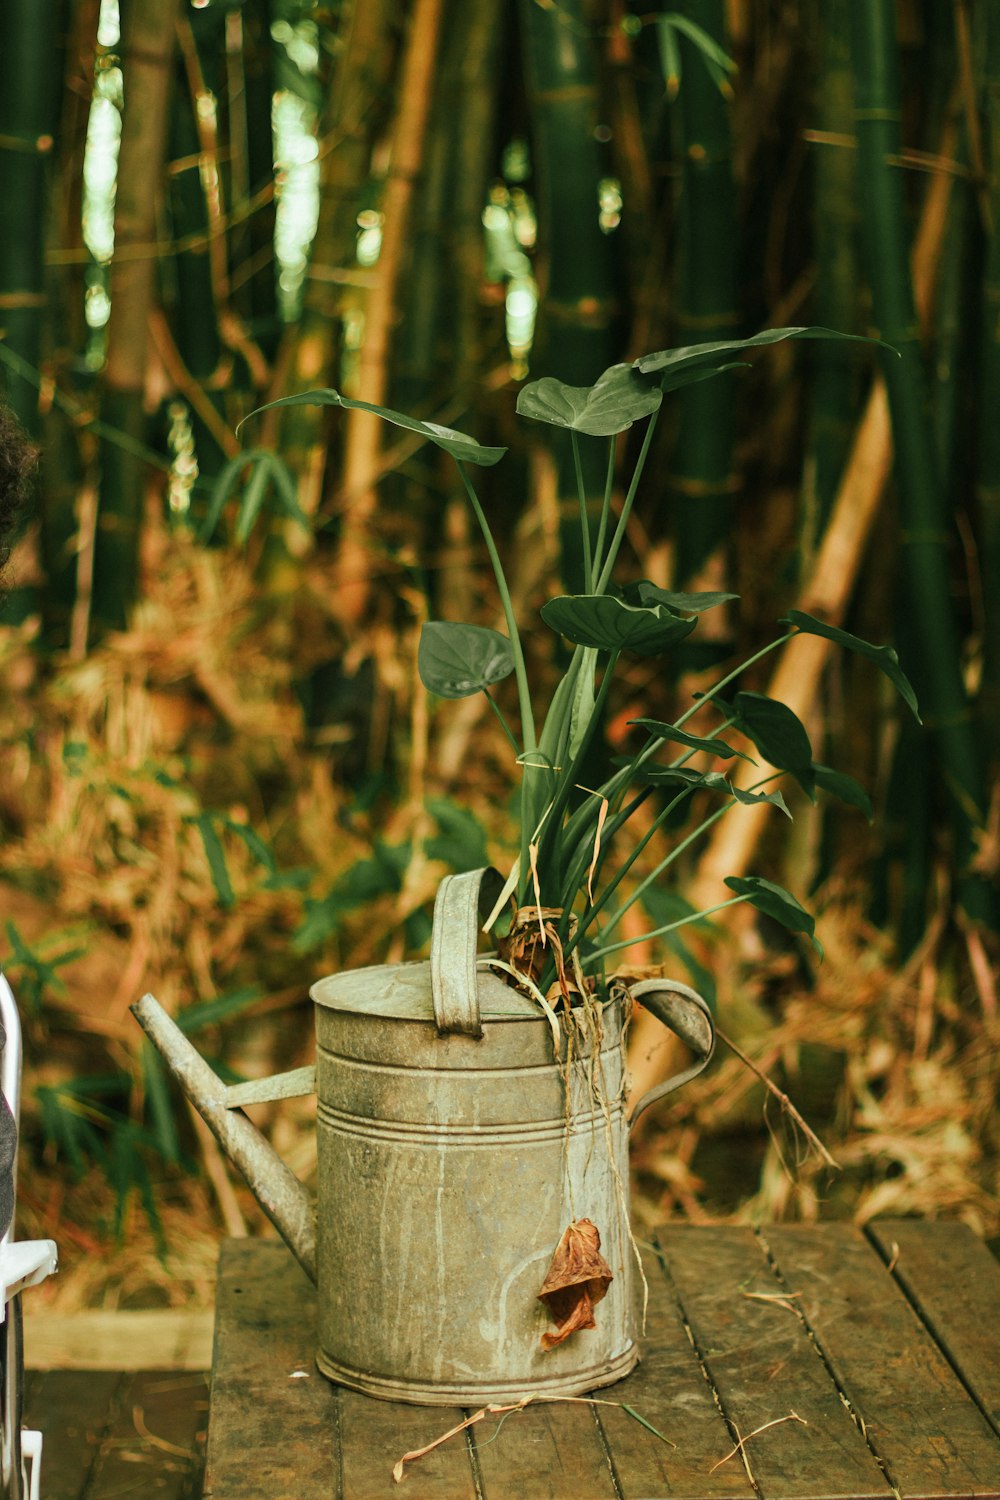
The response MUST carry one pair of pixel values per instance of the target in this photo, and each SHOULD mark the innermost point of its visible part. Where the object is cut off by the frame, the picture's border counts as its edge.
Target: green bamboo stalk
(577, 336)
(835, 366)
(195, 320)
(255, 293)
(933, 648)
(147, 54)
(988, 486)
(28, 105)
(701, 482)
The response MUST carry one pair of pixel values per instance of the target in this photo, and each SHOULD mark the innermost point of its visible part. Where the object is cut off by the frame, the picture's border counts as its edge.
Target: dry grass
(106, 764)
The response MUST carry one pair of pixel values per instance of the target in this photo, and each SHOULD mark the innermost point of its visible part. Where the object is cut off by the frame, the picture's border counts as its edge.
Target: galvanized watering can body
(454, 1149)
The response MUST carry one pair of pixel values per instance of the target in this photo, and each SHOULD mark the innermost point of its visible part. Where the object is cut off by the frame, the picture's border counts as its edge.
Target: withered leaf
(578, 1278)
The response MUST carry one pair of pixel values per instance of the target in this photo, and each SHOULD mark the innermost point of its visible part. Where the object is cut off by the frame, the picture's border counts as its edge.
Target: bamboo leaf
(211, 1012)
(617, 399)
(658, 730)
(884, 657)
(161, 1106)
(253, 497)
(706, 45)
(463, 448)
(216, 857)
(779, 735)
(610, 624)
(676, 366)
(839, 784)
(455, 661)
(774, 901)
(224, 486)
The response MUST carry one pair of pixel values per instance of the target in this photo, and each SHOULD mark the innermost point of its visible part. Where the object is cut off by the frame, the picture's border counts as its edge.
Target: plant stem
(602, 529)
(689, 713)
(581, 490)
(619, 536)
(520, 672)
(503, 722)
(642, 937)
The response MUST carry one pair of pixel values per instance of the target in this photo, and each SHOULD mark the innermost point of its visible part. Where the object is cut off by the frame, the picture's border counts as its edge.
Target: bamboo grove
(218, 759)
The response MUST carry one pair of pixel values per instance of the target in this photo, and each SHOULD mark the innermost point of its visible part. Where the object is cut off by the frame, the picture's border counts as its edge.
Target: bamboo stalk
(701, 483)
(827, 589)
(147, 54)
(927, 527)
(988, 478)
(362, 431)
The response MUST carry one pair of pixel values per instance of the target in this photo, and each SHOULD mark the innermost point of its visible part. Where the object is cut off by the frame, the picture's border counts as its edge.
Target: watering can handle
(683, 1011)
(461, 901)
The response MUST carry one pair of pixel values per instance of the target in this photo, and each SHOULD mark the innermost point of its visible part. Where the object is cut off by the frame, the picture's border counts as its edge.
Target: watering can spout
(284, 1200)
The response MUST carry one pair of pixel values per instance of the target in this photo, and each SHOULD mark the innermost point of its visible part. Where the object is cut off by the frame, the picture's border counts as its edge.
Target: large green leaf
(644, 592)
(456, 661)
(612, 625)
(839, 784)
(658, 730)
(617, 399)
(884, 657)
(775, 902)
(677, 367)
(457, 444)
(779, 735)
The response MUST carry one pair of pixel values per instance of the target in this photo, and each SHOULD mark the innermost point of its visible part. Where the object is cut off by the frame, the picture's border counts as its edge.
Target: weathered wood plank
(954, 1282)
(374, 1435)
(764, 1367)
(669, 1389)
(151, 1447)
(73, 1415)
(919, 1419)
(273, 1429)
(551, 1451)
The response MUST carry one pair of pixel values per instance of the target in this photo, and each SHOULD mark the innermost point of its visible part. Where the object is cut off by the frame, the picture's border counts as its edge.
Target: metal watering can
(454, 1150)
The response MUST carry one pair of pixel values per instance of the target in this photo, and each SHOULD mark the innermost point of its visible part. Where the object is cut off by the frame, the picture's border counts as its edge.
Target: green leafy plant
(567, 830)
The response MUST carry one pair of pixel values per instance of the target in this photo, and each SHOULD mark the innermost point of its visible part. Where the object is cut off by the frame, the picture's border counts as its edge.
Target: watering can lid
(402, 992)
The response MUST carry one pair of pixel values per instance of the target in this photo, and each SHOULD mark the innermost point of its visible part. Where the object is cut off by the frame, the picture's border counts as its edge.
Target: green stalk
(576, 337)
(619, 536)
(28, 35)
(552, 838)
(581, 490)
(520, 672)
(503, 722)
(835, 365)
(609, 483)
(698, 916)
(934, 646)
(700, 483)
(988, 486)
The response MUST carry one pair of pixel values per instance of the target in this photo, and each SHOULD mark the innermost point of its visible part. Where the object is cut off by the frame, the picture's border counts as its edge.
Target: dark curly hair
(17, 463)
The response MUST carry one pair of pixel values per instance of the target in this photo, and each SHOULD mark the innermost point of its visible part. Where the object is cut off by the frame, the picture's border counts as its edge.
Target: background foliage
(219, 775)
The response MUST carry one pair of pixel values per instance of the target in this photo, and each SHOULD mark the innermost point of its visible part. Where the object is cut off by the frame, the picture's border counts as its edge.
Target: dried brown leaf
(578, 1278)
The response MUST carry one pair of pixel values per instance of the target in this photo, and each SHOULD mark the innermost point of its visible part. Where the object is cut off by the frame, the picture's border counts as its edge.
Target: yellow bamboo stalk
(363, 431)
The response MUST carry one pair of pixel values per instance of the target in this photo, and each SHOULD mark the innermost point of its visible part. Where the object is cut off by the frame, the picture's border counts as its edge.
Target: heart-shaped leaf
(884, 657)
(463, 448)
(839, 784)
(775, 902)
(617, 399)
(658, 730)
(456, 661)
(612, 625)
(779, 735)
(677, 367)
(644, 592)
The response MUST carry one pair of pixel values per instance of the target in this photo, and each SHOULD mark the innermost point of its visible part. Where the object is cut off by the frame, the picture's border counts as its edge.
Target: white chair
(22, 1264)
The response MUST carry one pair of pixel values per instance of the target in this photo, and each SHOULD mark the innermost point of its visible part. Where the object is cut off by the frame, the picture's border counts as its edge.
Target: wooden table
(851, 1364)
